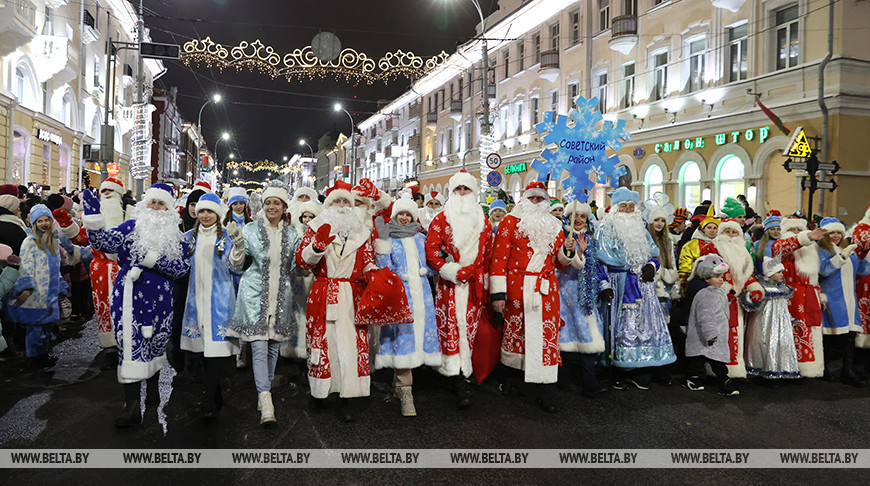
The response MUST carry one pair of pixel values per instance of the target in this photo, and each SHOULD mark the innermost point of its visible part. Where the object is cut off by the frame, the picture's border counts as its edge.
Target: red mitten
(62, 217)
(756, 295)
(322, 238)
(464, 274)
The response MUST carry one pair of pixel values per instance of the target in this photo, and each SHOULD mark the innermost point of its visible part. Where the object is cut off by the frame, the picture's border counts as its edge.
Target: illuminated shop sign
(512, 169)
(718, 139)
(47, 136)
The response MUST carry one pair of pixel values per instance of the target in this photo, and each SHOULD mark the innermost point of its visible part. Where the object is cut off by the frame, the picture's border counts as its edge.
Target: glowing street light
(337, 107)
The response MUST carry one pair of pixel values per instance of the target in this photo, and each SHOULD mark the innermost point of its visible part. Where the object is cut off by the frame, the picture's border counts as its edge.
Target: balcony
(732, 5)
(17, 25)
(393, 150)
(414, 142)
(623, 34)
(456, 109)
(491, 89)
(90, 32)
(71, 69)
(392, 123)
(432, 118)
(549, 69)
(415, 111)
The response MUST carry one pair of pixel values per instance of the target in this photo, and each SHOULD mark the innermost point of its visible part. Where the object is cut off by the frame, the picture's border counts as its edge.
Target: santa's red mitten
(464, 274)
(62, 216)
(756, 295)
(322, 238)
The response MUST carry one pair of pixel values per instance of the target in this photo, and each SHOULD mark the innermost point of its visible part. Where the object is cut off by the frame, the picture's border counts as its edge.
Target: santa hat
(236, 194)
(39, 211)
(709, 219)
(462, 178)
(680, 216)
(772, 220)
(112, 184)
(383, 302)
(310, 207)
(414, 187)
(276, 189)
(433, 195)
(205, 186)
(623, 194)
(212, 203)
(160, 192)
(579, 208)
(832, 224)
(536, 188)
(733, 208)
(497, 204)
(556, 204)
(792, 222)
(405, 204)
(730, 223)
(366, 191)
(772, 266)
(311, 193)
(340, 190)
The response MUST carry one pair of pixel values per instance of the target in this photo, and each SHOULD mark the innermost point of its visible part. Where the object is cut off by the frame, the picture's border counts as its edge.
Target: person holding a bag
(337, 249)
(401, 248)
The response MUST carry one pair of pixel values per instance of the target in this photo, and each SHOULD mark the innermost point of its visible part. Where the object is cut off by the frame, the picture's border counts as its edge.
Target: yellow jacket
(690, 252)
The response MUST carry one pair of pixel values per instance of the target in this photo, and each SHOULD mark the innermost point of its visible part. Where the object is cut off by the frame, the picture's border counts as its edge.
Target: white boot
(406, 401)
(267, 410)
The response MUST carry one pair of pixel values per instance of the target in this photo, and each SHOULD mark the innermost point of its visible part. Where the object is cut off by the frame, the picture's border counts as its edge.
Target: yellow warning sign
(799, 146)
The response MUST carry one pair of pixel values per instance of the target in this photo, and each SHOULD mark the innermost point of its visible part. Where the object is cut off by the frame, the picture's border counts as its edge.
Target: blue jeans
(264, 357)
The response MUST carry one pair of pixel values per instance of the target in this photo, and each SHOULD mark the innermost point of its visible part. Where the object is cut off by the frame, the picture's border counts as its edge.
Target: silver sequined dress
(769, 342)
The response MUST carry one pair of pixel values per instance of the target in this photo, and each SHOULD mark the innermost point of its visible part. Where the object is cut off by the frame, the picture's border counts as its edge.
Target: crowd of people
(538, 293)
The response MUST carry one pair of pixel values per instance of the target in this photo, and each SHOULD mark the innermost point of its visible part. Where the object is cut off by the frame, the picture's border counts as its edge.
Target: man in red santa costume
(458, 246)
(525, 255)
(370, 202)
(861, 237)
(731, 246)
(800, 257)
(337, 249)
(433, 203)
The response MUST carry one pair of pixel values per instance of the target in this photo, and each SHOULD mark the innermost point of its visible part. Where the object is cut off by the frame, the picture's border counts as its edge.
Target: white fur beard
(733, 251)
(537, 224)
(806, 261)
(113, 211)
(156, 230)
(364, 214)
(464, 217)
(631, 232)
(344, 221)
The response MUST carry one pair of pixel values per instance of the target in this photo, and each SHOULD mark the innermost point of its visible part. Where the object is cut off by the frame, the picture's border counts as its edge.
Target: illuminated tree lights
(303, 63)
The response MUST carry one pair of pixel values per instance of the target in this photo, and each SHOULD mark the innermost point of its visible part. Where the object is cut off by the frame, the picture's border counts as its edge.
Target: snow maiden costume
(152, 254)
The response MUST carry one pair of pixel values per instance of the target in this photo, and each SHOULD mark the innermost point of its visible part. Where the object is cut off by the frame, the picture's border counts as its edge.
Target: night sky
(267, 117)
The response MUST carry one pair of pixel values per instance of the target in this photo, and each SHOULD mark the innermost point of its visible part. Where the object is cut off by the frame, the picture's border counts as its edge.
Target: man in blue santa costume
(152, 253)
(638, 334)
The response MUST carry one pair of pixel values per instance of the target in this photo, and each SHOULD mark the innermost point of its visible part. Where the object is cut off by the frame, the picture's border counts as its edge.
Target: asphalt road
(72, 406)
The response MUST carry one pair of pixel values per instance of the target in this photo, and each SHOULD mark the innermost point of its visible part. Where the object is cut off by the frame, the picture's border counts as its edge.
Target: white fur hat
(772, 265)
(276, 191)
(792, 222)
(310, 207)
(462, 178)
(405, 204)
(433, 195)
(730, 224)
(656, 213)
(580, 208)
(311, 193)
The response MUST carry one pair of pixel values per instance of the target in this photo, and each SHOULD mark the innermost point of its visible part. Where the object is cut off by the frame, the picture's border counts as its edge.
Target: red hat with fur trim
(536, 188)
(340, 190)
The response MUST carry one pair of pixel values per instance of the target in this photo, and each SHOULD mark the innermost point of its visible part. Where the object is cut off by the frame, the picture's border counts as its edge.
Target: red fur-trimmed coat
(528, 280)
(339, 279)
(473, 296)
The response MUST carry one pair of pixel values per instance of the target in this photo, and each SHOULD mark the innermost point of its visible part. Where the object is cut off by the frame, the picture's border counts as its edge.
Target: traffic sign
(493, 161)
(790, 165)
(493, 179)
(156, 50)
(798, 146)
(810, 183)
(832, 167)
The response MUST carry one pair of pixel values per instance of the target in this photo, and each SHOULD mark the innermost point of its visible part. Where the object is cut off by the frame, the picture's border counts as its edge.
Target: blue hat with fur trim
(160, 192)
(832, 224)
(623, 194)
(236, 194)
(497, 204)
(37, 212)
(211, 202)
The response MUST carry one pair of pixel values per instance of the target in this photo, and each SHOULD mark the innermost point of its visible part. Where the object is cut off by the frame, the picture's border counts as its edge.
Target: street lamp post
(313, 160)
(216, 98)
(485, 127)
(224, 137)
(338, 107)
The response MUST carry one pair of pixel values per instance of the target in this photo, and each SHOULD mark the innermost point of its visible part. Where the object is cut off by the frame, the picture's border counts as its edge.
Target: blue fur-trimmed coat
(209, 335)
(579, 284)
(151, 301)
(38, 272)
(837, 276)
(404, 346)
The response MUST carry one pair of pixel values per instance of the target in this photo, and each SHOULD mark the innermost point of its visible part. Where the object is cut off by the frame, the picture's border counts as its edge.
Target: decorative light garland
(303, 63)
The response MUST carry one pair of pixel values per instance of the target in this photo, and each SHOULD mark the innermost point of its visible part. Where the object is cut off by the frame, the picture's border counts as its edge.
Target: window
(603, 15)
(627, 86)
(20, 83)
(519, 117)
(695, 79)
(461, 87)
(96, 71)
(536, 41)
(575, 27)
(787, 37)
(630, 7)
(653, 181)
(442, 98)
(737, 52)
(573, 92)
(690, 185)
(729, 178)
(505, 114)
(554, 36)
(507, 64)
(601, 91)
(660, 75)
(554, 103)
(536, 110)
(521, 55)
(449, 140)
(66, 110)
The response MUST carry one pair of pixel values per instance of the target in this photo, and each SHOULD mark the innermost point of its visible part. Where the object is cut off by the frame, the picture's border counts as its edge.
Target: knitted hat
(54, 201)
(556, 204)
(709, 266)
(772, 265)
(311, 193)
(276, 189)
(236, 194)
(733, 208)
(792, 222)
(39, 211)
(709, 218)
(772, 220)
(405, 204)
(536, 188)
(433, 195)
(497, 204)
(161, 192)
(212, 203)
(10, 202)
(340, 190)
(462, 178)
(112, 184)
(623, 194)
(832, 224)
(680, 216)
(10, 189)
(5, 250)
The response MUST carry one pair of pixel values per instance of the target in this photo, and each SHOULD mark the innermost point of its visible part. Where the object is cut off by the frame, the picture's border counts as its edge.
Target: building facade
(53, 86)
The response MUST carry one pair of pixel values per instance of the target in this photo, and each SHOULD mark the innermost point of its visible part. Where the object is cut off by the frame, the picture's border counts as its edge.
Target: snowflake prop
(581, 149)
